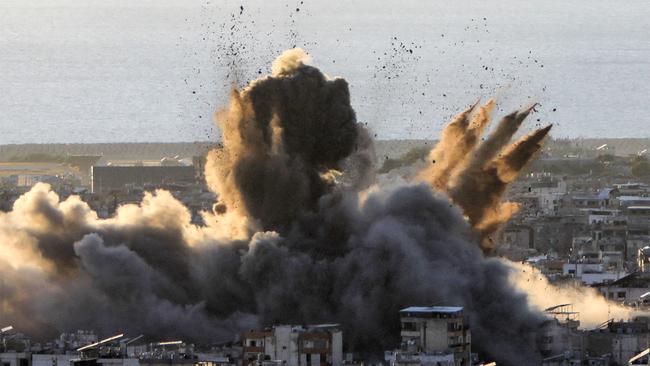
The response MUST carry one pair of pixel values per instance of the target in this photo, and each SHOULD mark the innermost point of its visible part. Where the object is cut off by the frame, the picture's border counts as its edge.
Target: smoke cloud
(284, 141)
(298, 236)
(475, 176)
(594, 309)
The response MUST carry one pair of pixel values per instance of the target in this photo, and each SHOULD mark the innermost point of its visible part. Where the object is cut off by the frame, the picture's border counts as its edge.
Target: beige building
(286, 345)
(437, 335)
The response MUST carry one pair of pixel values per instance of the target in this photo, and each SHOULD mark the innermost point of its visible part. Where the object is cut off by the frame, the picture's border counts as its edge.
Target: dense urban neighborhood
(584, 220)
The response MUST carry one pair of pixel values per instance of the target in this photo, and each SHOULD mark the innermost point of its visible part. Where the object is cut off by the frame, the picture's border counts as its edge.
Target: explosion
(475, 176)
(302, 233)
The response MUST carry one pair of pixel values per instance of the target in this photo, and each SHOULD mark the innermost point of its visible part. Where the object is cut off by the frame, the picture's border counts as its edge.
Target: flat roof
(432, 309)
(633, 198)
(596, 198)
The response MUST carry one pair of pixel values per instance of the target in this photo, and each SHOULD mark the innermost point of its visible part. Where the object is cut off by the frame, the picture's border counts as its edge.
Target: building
(560, 335)
(638, 220)
(436, 335)
(591, 264)
(549, 192)
(53, 359)
(105, 179)
(288, 345)
(627, 201)
(83, 164)
(28, 359)
(15, 359)
(72, 341)
(400, 358)
(521, 236)
(622, 340)
(150, 352)
(610, 343)
(628, 289)
(631, 189)
(29, 180)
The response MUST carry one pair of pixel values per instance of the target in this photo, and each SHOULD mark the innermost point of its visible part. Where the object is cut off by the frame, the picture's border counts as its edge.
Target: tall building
(318, 345)
(436, 335)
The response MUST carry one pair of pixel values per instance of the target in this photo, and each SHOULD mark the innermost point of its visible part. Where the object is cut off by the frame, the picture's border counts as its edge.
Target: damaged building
(291, 345)
(436, 335)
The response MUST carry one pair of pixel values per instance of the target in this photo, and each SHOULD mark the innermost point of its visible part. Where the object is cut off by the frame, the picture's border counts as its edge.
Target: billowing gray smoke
(285, 138)
(298, 237)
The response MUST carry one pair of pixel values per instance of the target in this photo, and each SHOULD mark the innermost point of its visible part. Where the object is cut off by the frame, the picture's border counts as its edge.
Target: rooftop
(633, 198)
(633, 280)
(432, 309)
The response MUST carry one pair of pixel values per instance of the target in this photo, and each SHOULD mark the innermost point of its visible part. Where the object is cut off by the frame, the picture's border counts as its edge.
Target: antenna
(134, 339)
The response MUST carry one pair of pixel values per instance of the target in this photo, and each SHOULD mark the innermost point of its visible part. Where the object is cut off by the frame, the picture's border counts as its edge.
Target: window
(621, 294)
(410, 326)
(320, 343)
(316, 343)
(255, 343)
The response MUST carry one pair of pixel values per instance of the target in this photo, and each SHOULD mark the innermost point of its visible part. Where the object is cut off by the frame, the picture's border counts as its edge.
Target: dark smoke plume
(299, 236)
(285, 138)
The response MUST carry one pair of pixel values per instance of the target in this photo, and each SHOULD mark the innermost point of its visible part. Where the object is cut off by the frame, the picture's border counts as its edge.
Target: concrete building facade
(318, 345)
(435, 331)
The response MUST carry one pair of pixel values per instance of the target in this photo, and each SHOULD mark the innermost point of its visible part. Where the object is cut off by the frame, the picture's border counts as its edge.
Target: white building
(628, 289)
(72, 341)
(549, 192)
(591, 273)
(53, 360)
(403, 358)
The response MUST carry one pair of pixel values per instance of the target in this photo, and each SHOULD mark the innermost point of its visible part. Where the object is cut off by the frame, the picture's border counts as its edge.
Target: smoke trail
(457, 140)
(295, 238)
(476, 176)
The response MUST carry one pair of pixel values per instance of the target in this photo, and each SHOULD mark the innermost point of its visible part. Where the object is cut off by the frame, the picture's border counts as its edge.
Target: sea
(132, 71)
